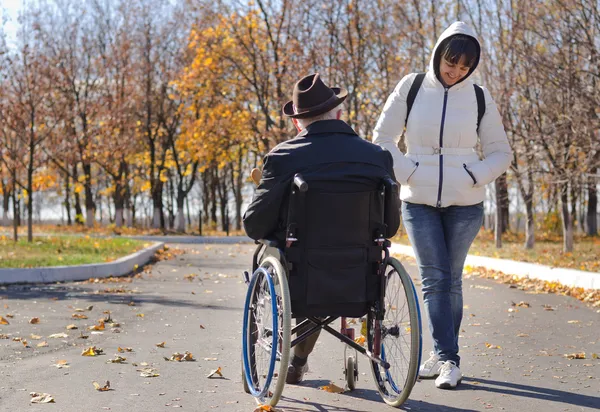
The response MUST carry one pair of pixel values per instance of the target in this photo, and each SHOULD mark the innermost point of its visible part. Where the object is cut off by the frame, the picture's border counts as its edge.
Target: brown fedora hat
(312, 97)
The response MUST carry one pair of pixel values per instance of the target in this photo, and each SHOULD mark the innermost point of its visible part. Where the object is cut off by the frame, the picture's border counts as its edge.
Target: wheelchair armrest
(267, 242)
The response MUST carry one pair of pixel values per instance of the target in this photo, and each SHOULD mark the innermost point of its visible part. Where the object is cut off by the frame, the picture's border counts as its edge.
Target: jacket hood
(456, 28)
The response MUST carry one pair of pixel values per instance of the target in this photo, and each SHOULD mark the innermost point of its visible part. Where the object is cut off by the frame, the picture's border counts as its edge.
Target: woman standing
(443, 179)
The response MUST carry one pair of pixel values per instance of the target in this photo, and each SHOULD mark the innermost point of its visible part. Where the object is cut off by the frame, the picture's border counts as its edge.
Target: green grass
(63, 251)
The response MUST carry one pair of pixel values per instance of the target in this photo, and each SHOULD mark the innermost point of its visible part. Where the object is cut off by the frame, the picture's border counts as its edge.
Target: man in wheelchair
(333, 233)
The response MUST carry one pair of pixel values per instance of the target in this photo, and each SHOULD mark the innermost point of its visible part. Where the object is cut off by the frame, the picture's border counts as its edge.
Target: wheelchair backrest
(332, 248)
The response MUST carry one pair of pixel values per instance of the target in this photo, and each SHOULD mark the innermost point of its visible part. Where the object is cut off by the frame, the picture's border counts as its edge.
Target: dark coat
(329, 150)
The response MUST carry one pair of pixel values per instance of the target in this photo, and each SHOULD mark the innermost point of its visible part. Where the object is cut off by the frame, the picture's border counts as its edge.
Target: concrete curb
(194, 239)
(568, 277)
(119, 267)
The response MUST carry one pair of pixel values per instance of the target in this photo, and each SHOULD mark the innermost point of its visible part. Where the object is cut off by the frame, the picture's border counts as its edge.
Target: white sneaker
(431, 367)
(450, 376)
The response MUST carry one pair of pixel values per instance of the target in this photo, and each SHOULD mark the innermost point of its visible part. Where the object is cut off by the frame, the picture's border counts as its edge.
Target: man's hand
(256, 175)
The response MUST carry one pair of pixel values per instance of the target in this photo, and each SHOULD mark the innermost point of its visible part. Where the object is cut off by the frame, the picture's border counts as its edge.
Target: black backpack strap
(480, 103)
(412, 94)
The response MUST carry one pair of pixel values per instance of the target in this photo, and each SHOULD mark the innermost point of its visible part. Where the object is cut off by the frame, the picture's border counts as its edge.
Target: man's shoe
(431, 367)
(295, 374)
(450, 376)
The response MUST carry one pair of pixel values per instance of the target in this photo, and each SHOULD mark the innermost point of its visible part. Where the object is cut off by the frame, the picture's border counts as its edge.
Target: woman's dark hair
(459, 46)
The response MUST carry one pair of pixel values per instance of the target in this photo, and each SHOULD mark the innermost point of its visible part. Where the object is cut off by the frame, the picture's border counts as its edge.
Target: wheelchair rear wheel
(266, 332)
(400, 336)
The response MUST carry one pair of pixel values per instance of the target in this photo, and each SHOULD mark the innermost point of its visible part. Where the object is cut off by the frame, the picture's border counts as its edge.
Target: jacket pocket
(470, 173)
(336, 275)
(413, 172)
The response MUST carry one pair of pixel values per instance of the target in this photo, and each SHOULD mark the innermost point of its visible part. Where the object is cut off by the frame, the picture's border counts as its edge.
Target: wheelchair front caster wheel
(351, 372)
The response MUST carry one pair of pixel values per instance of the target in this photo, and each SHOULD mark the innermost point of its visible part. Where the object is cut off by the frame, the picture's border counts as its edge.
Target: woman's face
(452, 73)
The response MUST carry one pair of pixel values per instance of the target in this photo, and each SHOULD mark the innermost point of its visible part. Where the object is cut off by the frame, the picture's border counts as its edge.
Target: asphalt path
(512, 356)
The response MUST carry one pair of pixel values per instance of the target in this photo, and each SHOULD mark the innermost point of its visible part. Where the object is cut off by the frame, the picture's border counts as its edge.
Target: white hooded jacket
(441, 135)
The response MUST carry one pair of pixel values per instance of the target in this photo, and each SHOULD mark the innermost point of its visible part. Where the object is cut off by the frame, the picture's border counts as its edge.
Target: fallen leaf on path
(122, 350)
(491, 346)
(180, 357)
(104, 388)
(117, 359)
(332, 388)
(140, 315)
(89, 308)
(190, 277)
(202, 327)
(58, 335)
(62, 364)
(360, 340)
(267, 408)
(8, 315)
(161, 345)
(523, 335)
(42, 344)
(99, 326)
(131, 304)
(34, 321)
(4, 336)
(24, 342)
(580, 355)
(148, 373)
(71, 327)
(548, 307)
(78, 316)
(82, 336)
(41, 397)
(521, 304)
(210, 359)
(79, 310)
(3, 321)
(595, 356)
(35, 337)
(92, 351)
(573, 321)
(216, 372)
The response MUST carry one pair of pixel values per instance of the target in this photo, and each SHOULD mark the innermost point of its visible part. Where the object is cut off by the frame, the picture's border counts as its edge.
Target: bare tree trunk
(530, 224)
(180, 223)
(67, 201)
(30, 197)
(15, 209)
(592, 207)
(89, 195)
(567, 223)
(5, 204)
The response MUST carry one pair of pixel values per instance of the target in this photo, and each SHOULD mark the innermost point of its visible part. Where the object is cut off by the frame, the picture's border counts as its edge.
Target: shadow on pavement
(59, 292)
(409, 405)
(546, 394)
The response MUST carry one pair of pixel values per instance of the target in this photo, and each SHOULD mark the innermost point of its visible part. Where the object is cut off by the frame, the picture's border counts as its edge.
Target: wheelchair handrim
(245, 344)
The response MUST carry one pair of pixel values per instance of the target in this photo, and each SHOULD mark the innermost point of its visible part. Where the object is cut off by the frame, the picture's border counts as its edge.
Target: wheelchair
(336, 262)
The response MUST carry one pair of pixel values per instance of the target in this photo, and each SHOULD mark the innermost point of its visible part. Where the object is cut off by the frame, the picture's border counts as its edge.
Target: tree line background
(137, 104)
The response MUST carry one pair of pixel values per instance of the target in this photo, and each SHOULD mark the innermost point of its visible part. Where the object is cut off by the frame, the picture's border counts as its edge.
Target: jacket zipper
(439, 198)
(470, 173)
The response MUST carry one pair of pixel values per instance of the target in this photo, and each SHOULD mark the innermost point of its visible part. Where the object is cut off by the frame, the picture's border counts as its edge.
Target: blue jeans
(441, 238)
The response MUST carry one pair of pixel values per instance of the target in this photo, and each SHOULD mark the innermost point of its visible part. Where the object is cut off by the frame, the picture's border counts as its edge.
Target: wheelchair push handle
(300, 182)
